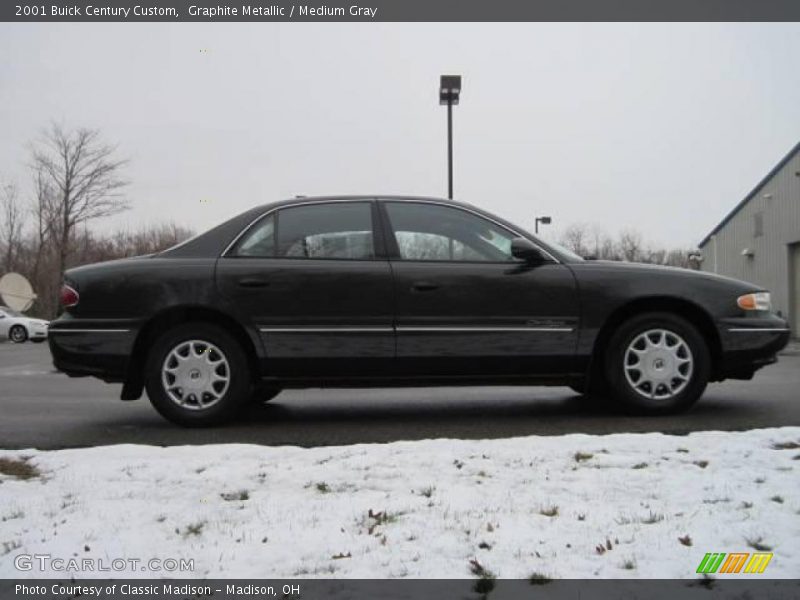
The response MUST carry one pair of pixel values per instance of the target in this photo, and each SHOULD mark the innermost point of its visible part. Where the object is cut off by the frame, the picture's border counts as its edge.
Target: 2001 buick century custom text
(386, 291)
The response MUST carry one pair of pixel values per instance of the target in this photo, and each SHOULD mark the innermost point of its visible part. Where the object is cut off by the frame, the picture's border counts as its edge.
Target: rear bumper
(749, 344)
(100, 350)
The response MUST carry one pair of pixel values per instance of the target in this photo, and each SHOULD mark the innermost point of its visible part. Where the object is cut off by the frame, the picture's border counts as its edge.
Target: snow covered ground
(625, 505)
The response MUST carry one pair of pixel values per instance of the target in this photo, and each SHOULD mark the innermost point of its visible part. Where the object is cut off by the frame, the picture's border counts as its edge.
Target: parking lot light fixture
(543, 221)
(449, 93)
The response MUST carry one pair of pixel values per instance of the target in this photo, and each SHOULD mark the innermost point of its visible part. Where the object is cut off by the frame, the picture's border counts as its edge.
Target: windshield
(12, 313)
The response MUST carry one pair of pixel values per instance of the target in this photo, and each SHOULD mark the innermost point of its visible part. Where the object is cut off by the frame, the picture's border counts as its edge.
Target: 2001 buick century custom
(383, 291)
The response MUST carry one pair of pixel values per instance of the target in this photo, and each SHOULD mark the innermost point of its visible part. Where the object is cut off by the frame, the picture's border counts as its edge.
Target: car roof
(314, 199)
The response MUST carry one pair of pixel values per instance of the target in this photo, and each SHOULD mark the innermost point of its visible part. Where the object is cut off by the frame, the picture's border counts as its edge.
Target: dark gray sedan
(386, 291)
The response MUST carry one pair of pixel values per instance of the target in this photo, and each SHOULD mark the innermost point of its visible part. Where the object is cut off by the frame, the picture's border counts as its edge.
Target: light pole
(449, 91)
(543, 221)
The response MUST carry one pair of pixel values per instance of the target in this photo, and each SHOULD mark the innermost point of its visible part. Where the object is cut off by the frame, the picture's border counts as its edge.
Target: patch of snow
(573, 506)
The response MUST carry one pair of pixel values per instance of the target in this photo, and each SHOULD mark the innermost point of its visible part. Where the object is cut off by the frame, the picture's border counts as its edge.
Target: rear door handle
(423, 286)
(253, 282)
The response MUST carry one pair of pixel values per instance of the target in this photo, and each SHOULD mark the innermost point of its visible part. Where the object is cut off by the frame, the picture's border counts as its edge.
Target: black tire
(237, 369)
(18, 334)
(684, 393)
(263, 393)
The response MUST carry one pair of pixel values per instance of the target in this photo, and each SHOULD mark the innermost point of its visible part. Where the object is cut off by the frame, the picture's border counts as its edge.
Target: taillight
(68, 296)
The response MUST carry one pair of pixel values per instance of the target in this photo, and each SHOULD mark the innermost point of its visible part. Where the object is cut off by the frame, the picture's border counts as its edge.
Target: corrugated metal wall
(778, 204)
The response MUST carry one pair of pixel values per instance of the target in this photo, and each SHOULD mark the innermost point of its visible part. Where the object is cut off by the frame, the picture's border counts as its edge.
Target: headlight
(755, 301)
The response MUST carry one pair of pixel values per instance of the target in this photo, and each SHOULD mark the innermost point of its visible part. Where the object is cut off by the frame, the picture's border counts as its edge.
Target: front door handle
(423, 286)
(253, 282)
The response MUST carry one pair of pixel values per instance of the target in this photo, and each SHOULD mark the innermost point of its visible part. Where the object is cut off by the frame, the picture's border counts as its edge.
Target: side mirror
(526, 250)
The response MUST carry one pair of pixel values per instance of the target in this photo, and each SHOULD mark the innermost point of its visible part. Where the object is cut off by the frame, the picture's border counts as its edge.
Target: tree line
(76, 179)
(628, 246)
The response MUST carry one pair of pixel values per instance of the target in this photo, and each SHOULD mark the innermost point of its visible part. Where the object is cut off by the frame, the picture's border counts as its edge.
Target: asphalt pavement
(40, 408)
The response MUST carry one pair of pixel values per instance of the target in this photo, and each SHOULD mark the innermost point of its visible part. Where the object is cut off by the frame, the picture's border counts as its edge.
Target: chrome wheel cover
(658, 364)
(195, 374)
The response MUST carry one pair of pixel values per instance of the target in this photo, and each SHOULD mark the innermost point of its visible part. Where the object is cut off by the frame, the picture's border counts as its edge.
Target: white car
(18, 328)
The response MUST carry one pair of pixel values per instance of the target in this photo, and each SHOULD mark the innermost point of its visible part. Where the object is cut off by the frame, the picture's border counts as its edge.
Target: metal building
(759, 241)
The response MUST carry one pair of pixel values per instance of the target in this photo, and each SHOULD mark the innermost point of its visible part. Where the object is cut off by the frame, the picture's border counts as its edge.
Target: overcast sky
(658, 127)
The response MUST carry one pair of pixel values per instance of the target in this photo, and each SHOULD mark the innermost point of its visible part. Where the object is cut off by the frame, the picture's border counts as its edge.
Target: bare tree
(84, 179)
(44, 214)
(681, 258)
(608, 249)
(11, 225)
(576, 237)
(630, 245)
(656, 256)
(601, 245)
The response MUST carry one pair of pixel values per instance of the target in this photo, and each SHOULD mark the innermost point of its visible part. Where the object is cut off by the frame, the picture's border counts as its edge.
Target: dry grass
(21, 469)
(757, 543)
(233, 496)
(9, 547)
(486, 578)
(428, 491)
(193, 529)
(652, 518)
(539, 579)
(785, 446)
(376, 519)
(549, 511)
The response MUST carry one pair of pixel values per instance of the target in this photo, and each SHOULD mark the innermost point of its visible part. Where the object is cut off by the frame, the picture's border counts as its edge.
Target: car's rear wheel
(197, 375)
(658, 363)
(17, 334)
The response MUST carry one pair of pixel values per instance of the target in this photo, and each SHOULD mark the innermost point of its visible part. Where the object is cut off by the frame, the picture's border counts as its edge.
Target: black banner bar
(401, 10)
(745, 586)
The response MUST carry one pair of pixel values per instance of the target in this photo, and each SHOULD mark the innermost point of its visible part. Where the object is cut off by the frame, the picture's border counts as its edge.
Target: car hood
(33, 322)
(662, 270)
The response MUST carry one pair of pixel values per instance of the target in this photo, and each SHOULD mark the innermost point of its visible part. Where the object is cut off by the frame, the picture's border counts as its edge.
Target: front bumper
(749, 344)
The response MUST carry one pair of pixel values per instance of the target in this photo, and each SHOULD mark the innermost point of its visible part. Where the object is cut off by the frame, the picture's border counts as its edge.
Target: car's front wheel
(658, 363)
(197, 375)
(17, 334)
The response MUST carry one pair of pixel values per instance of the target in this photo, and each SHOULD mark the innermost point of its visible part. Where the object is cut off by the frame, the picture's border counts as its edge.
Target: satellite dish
(15, 292)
